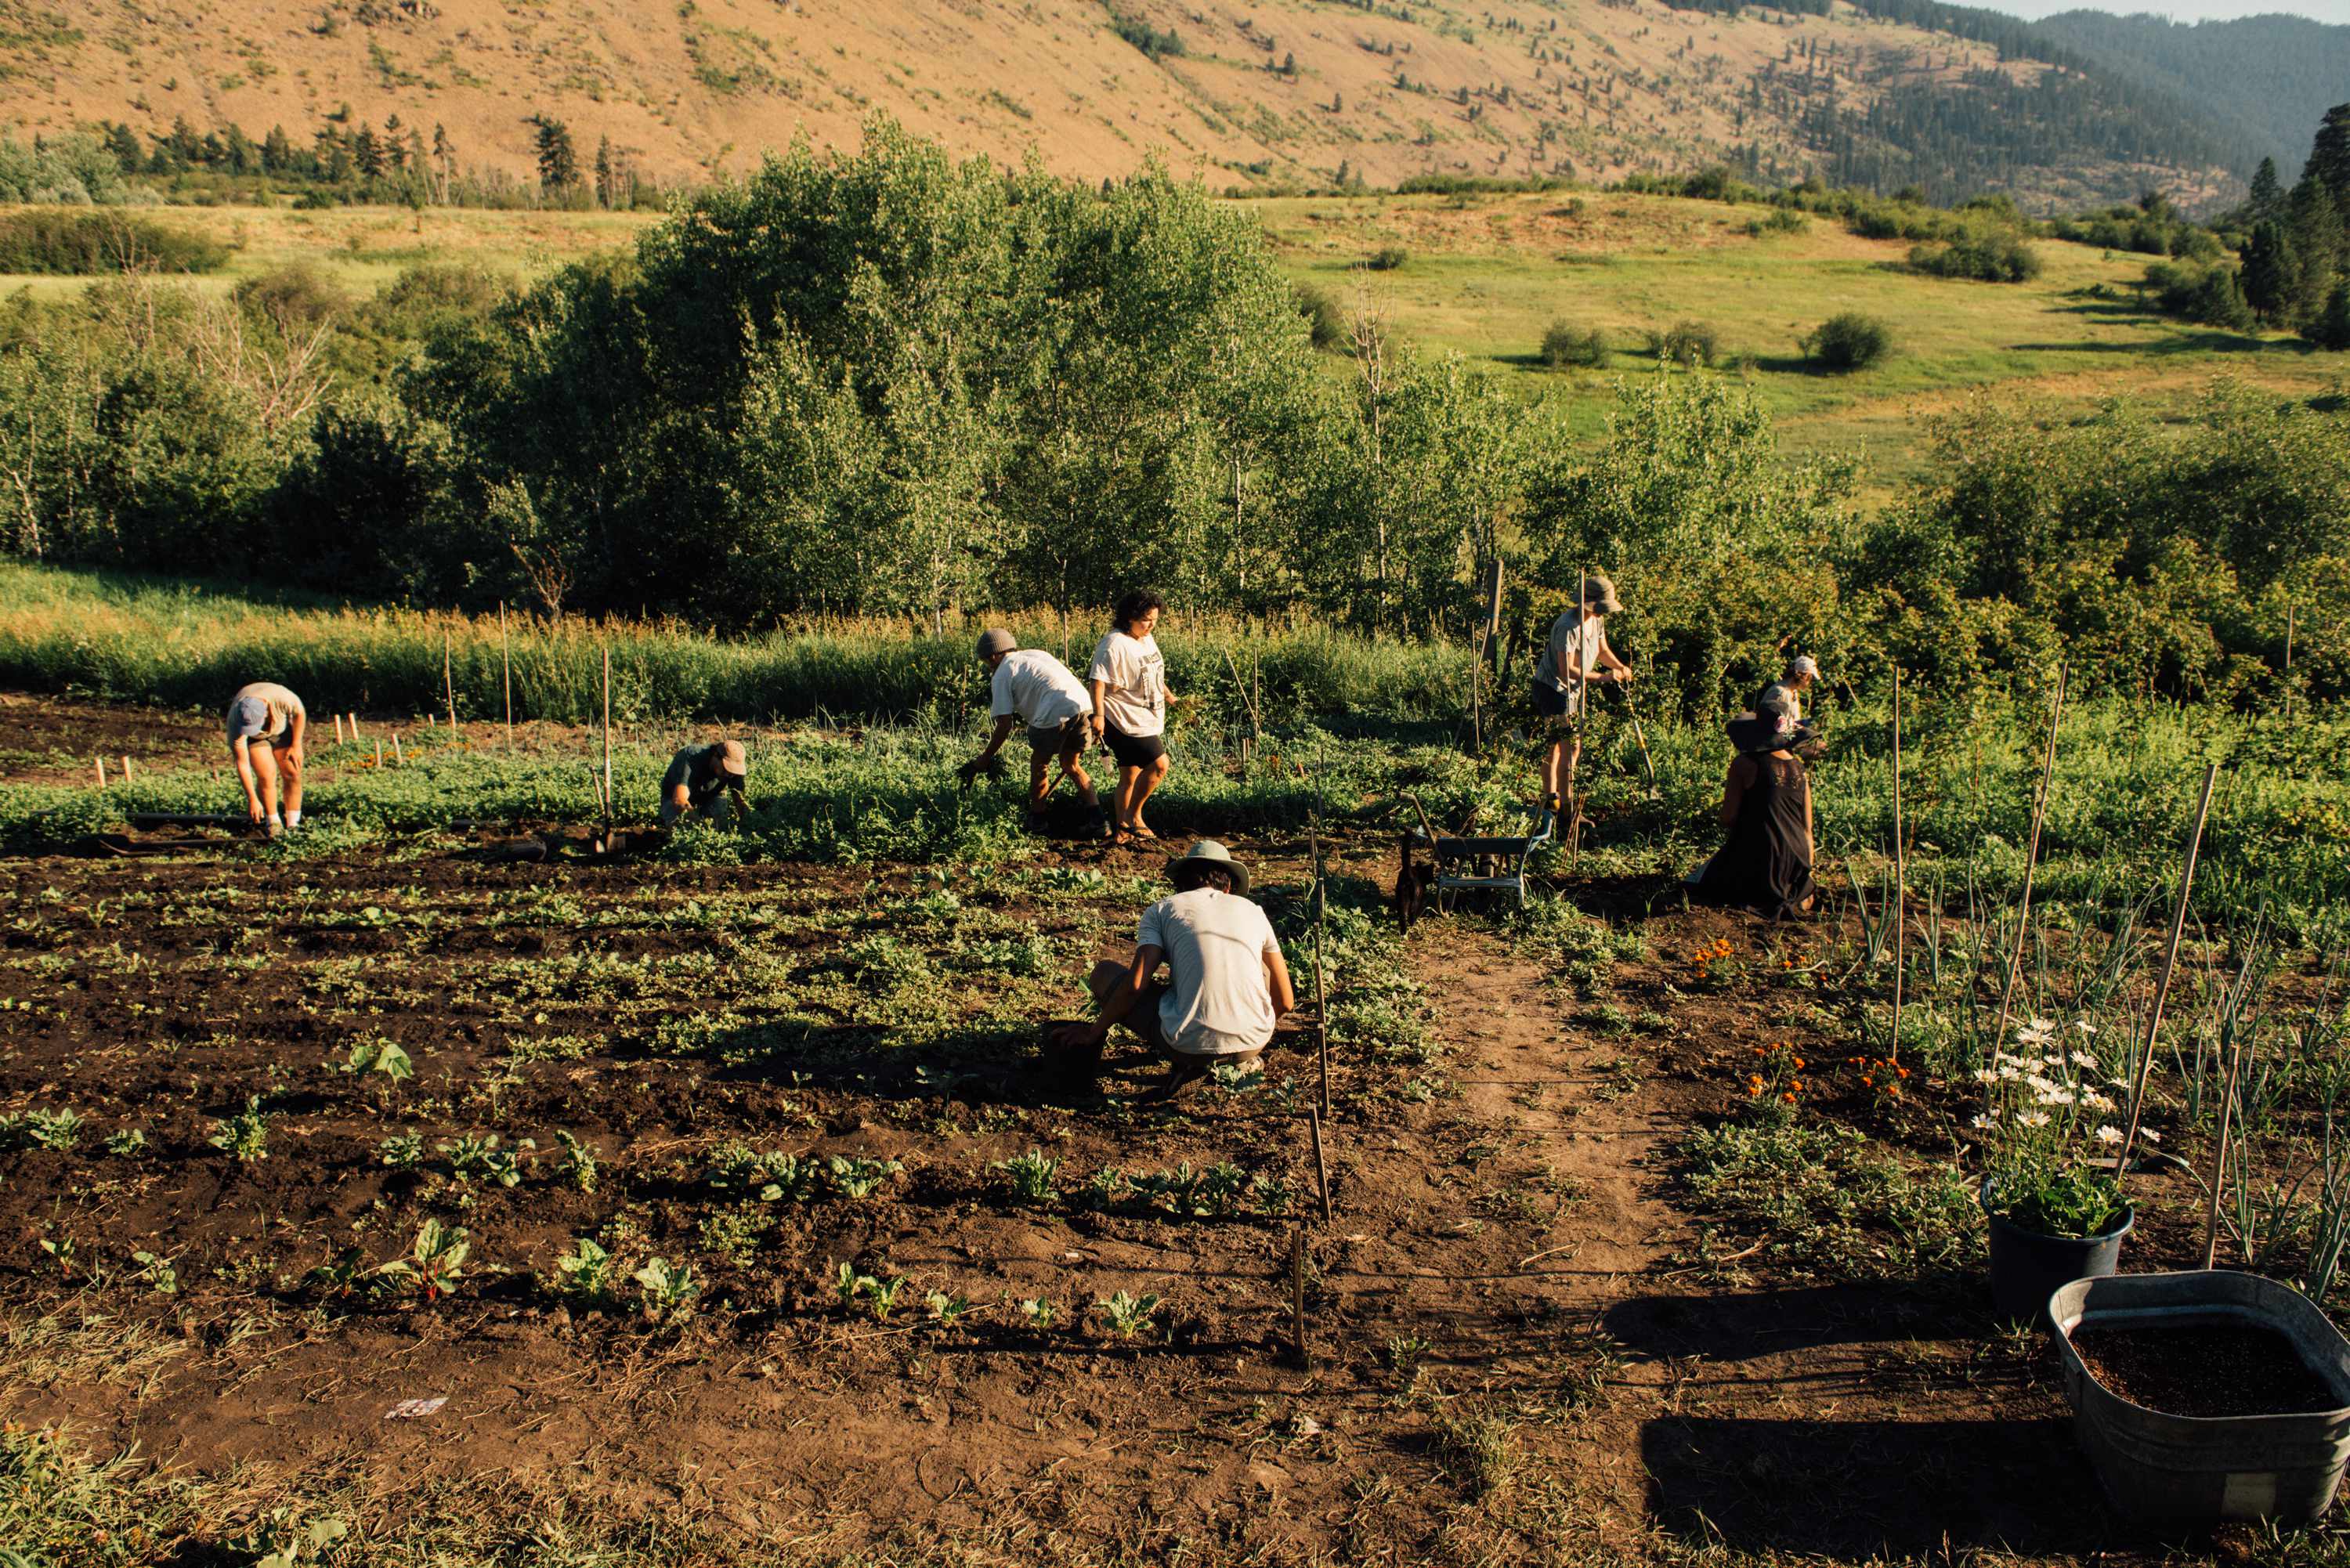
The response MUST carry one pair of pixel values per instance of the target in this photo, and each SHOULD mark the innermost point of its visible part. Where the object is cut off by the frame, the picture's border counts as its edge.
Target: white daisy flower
(2084, 1026)
(2149, 1135)
(2033, 1118)
(1980, 1122)
(2109, 1135)
(2082, 1059)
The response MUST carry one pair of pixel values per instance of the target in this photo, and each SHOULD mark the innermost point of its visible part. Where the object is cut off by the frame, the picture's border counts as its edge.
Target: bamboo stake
(379, 750)
(2031, 866)
(101, 773)
(1321, 983)
(338, 728)
(2289, 610)
(1900, 877)
(505, 672)
(397, 760)
(2220, 1155)
(1321, 1166)
(355, 726)
(126, 768)
(2169, 963)
(1298, 1295)
(608, 734)
(448, 683)
(1582, 716)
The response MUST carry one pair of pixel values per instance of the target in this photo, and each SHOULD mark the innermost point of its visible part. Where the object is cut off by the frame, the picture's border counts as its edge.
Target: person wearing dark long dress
(1766, 864)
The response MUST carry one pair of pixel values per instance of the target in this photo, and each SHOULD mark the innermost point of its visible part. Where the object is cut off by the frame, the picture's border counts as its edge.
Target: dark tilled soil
(2205, 1369)
(58, 739)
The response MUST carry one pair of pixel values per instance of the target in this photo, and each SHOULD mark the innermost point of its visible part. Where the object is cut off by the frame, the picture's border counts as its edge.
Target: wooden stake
(2169, 963)
(101, 773)
(1321, 1167)
(2220, 1155)
(126, 769)
(608, 734)
(355, 726)
(449, 683)
(379, 750)
(1298, 1295)
(1321, 981)
(397, 760)
(338, 728)
(2289, 610)
(505, 672)
(1900, 877)
(2031, 866)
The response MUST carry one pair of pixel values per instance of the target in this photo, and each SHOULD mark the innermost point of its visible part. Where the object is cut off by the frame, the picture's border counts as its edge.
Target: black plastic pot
(2026, 1266)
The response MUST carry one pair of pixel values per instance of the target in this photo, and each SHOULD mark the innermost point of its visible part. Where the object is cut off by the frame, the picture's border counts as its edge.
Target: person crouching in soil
(1765, 865)
(267, 726)
(702, 780)
(1128, 683)
(1226, 985)
(1030, 687)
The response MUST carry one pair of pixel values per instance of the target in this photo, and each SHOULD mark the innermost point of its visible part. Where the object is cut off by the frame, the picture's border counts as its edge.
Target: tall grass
(177, 643)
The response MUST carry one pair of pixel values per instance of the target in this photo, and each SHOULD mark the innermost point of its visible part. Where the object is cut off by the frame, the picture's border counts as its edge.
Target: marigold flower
(1894, 1090)
(1789, 1098)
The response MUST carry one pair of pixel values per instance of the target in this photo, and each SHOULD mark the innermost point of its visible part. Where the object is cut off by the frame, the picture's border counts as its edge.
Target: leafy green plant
(855, 1177)
(244, 1135)
(733, 1233)
(402, 1150)
(1039, 1312)
(435, 1264)
(1564, 346)
(1849, 342)
(2045, 1128)
(473, 1158)
(584, 1275)
(128, 1142)
(380, 1055)
(157, 1272)
(944, 1309)
(665, 1296)
(580, 1165)
(59, 1129)
(1031, 1174)
(1129, 1316)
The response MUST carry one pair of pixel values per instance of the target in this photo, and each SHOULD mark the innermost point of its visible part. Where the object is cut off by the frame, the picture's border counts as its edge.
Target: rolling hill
(1242, 92)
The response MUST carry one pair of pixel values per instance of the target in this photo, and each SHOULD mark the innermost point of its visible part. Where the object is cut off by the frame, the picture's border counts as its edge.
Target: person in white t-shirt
(1030, 687)
(1576, 655)
(1128, 683)
(1226, 986)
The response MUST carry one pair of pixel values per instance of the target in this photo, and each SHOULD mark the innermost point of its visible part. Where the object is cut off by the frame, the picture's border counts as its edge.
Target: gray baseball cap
(995, 640)
(247, 717)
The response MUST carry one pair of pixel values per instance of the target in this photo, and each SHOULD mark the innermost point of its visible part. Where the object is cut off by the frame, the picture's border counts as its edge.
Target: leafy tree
(558, 160)
(2331, 329)
(2329, 156)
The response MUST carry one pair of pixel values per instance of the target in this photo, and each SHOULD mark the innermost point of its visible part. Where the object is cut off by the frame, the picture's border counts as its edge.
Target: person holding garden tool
(1028, 687)
(1786, 694)
(1226, 988)
(268, 713)
(702, 781)
(1576, 656)
(1128, 683)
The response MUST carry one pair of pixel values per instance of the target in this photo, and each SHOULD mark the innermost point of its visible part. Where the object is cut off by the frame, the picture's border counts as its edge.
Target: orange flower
(1867, 1082)
(1903, 1071)
(1894, 1090)
(1789, 1098)
(1798, 1063)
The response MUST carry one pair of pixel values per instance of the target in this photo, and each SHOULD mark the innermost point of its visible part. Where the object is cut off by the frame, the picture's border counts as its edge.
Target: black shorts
(1133, 751)
(1550, 702)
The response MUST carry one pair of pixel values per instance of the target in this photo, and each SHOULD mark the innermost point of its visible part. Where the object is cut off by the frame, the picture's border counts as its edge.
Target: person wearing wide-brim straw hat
(1226, 985)
(1577, 654)
(702, 780)
(1765, 863)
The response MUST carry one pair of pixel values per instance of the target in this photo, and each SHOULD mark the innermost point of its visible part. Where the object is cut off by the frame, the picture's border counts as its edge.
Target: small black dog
(1413, 883)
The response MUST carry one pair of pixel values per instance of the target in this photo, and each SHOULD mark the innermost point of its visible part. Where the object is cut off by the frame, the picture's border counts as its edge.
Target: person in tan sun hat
(1226, 986)
(1577, 654)
(702, 780)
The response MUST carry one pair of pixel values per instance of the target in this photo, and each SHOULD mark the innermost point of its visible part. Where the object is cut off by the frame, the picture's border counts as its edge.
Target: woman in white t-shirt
(1128, 683)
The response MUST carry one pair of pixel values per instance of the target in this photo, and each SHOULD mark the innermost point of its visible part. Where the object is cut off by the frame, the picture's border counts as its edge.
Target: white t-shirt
(1038, 689)
(1219, 1003)
(1134, 683)
(1573, 639)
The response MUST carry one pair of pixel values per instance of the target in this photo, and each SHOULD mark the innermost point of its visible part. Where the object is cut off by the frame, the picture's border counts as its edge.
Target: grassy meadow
(1486, 276)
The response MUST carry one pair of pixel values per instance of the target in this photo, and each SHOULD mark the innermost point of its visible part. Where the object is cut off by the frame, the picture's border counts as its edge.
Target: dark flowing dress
(1766, 866)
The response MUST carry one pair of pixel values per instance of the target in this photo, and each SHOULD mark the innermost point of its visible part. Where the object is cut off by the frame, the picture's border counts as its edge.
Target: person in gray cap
(1226, 985)
(1578, 652)
(1030, 687)
(1802, 671)
(269, 714)
(702, 780)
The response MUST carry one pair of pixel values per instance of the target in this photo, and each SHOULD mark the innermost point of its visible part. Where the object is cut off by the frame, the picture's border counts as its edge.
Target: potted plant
(2049, 1189)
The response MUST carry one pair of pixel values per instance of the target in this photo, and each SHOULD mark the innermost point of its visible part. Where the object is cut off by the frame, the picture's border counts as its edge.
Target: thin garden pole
(505, 672)
(2219, 1153)
(126, 767)
(1582, 716)
(1297, 1294)
(2169, 963)
(1901, 876)
(607, 733)
(2031, 866)
(355, 726)
(1321, 1166)
(338, 728)
(378, 749)
(397, 761)
(448, 682)
(101, 772)
(2289, 610)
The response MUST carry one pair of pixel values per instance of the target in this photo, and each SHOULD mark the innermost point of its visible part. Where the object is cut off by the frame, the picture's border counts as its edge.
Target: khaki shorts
(1053, 740)
(1144, 1019)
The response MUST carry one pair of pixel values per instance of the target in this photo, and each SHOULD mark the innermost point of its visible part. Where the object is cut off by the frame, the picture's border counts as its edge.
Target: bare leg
(1559, 764)
(1073, 768)
(265, 778)
(1144, 787)
(290, 766)
(1040, 780)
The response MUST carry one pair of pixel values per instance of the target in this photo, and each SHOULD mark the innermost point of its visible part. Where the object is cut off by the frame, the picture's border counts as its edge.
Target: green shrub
(2331, 329)
(1564, 346)
(1326, 323)
(1387, 258)
(1984, 256)
(1151, 41)
(1688, 343)
(82, 245)
(1849, 342)
(1781, 220)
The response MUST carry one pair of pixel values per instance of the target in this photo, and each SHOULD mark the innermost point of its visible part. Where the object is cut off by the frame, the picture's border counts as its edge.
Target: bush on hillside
(2192, 291)
(1325, 322)
(1153, 43)
(1688, 343)
(1565, 347)
(1984, 256)
(2331, 329)
(1849, 342)
(1387, 258)
(1782, 221)
(83, 244)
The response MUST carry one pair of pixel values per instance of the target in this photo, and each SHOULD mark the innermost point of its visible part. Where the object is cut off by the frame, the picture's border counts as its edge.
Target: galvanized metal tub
(2183, 1472)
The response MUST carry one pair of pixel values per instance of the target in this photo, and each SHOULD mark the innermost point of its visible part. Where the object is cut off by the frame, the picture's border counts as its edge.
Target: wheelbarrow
(1454, 866)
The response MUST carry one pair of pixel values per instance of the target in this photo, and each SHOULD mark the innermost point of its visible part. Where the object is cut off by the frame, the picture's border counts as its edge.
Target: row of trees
(898, 385)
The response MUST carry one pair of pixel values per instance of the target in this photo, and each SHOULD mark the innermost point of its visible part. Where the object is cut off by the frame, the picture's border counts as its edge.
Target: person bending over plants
(268, 713)
(702, 780)
(1765, 865)
(1030, 687)
(1127, 684)
(1226, 985)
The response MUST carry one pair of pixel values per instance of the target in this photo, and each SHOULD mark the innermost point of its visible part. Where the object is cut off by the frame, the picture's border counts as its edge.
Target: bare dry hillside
(1262, 89)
